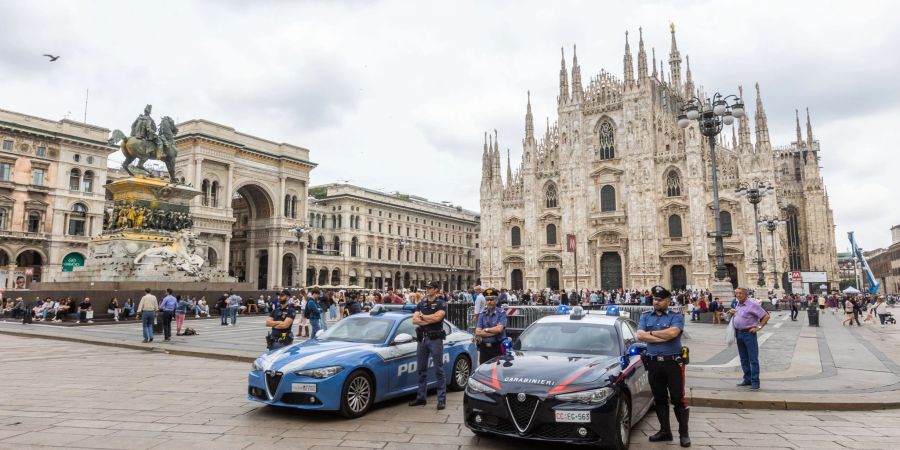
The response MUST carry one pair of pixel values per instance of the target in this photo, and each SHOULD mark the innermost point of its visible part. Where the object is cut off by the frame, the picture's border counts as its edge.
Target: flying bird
(52, 58)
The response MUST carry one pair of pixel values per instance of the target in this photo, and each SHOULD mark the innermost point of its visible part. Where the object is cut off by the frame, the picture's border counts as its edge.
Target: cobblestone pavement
(72, 395)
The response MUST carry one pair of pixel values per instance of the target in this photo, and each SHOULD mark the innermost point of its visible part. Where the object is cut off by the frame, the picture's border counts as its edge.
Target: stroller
(889, 319)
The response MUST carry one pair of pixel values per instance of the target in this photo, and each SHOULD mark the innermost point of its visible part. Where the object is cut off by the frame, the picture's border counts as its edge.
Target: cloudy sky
(397, 95)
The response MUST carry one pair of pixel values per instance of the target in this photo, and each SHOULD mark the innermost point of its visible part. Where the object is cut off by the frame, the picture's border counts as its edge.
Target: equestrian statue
(145, 144)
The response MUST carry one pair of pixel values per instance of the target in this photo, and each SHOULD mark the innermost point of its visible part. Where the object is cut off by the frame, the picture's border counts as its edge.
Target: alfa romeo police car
(569, 378)
(360, 360)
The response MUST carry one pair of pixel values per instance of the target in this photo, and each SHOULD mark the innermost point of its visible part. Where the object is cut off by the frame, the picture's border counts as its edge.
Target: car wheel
(623, 424)
(357, 395)
(462, 368)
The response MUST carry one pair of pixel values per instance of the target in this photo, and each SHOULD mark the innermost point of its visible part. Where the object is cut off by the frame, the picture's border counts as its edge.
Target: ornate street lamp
(771, 224)
(400, 244)
(754, 192)
(450, 274)
(301, 231)
(710, 115)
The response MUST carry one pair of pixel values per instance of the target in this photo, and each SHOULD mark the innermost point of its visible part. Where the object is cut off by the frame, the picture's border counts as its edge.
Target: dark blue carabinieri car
(574, 378)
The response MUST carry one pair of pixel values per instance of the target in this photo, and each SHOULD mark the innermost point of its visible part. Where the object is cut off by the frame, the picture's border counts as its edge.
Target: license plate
(303, 387)
(573, 416)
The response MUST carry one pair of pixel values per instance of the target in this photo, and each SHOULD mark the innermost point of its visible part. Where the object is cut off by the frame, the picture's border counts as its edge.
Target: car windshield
(365, 329)
(571, 337)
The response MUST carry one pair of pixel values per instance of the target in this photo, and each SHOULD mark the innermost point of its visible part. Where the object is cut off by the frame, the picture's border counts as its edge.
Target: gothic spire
(809, 133)
(495, 166)
(508, 169)
(799, 133)
(529, 121)
(485, 160)
(762, 124)
(688, 79)
(629, 66)
(662, 73)
(674, 61)
(563, 78)
(577, 92)
(744, 127)
(653, 52)
(642, 57)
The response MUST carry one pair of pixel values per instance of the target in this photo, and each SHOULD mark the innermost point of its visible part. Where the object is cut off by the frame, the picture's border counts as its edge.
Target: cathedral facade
(635, 190)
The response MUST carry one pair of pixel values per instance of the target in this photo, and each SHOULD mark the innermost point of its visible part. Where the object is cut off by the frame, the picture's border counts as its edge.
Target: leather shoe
(441, 405)
(661, 436)
(685, 441)
(417, 402)
(743, 385)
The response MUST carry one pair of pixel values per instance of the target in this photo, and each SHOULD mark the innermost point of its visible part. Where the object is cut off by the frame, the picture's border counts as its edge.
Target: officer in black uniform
(429, 318)
(661, 329)
(280, 320)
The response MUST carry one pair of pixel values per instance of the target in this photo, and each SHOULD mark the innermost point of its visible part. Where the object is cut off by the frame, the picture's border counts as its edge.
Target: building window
(674, 226)
(673, 184)
(74, 180)
(551, 234)
(370, 225)
(287, 206)
(41, 151)
(390, 254)
(320, 244)
(90, 160)
(516, 236)
(4, 218)
(76, 220)
(293, 206)
(725, 222)
(353, 243)
(37, 177)
(550, 196)
(795, 260)
(34, 222)
(88, 181)
(336, 244)
(607, 198)
(5, 171)
(379, 252)
(7, 146)
(214, 194)
(607, 149)
(205, 188)
(369, 252)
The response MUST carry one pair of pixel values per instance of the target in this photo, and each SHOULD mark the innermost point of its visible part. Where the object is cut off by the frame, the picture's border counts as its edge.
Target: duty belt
(661, 358)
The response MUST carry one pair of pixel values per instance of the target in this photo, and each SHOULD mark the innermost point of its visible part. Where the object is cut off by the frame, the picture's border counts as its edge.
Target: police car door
(638, 380)
(402, 359)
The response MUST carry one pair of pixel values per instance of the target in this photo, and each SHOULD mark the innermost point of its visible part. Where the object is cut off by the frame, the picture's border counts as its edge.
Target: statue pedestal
(723, 290)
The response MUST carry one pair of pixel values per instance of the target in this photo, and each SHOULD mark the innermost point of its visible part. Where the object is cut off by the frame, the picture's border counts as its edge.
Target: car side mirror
(319, 334)
(402, 338)
(517, 345)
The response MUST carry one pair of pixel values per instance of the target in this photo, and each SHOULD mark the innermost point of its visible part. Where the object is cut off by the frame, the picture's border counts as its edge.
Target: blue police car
(360, 360)
(575, 379)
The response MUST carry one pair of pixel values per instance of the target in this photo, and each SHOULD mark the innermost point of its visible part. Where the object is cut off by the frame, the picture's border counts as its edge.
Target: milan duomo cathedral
(616, 171)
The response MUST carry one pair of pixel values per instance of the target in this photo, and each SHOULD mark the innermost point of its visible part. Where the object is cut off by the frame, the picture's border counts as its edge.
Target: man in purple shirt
(748, 319)
(167, 306)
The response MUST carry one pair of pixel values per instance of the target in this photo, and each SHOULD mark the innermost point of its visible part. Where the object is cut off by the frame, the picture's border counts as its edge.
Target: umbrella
(851, 290)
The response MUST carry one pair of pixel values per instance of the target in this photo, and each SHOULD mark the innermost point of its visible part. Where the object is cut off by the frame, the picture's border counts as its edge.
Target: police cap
(490, 293)
(433, 285)
(660, 292)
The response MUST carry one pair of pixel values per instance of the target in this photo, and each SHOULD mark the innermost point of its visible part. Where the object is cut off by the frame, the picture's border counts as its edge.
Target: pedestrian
(792, 303)
(429, 319)
(851, 308)
(113, 308)
(749, 318)
(303, 329)
(281, 319)
(146, 310)
(128, 309)
(167, 306)
(234, 304)
(313, 312)
(661, 329)
(694, 310)
(85, 311)
(181, 309)
(490, 330)
(222, 307)
(479, 303)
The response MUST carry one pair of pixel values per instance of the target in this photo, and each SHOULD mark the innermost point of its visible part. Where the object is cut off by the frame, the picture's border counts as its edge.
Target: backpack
(189, 332)
(312, 310)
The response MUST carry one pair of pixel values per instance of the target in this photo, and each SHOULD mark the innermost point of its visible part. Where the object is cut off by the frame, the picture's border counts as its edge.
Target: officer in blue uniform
(491, 327)
(661, 329)
(429, 318)
(280, 320)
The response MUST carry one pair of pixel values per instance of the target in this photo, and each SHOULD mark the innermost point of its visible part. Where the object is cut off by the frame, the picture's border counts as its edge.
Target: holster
(685, 355)
(420, 335)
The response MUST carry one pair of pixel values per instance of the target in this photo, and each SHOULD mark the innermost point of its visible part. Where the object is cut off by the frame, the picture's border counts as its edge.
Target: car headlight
(254, 366)
(322, 372)
(591, 397)
(476, 387)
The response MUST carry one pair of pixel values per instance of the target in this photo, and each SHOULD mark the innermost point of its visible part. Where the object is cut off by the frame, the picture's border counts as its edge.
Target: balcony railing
(23, 235)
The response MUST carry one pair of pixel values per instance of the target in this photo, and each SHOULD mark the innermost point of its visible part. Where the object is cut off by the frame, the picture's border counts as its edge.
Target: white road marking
(778, 325)
(736, 361)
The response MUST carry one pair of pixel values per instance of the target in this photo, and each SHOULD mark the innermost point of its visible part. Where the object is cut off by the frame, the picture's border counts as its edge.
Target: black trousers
(667, 382)
(794, 312)
(485, 352)
(167, 323)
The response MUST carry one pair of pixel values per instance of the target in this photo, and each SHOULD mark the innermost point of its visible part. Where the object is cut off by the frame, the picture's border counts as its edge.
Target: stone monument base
(723, 290)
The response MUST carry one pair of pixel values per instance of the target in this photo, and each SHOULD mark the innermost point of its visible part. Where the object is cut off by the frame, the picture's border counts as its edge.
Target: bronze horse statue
(163, 149)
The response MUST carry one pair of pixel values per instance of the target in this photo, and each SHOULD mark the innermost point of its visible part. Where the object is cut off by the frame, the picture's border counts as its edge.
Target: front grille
(296, 398)
(258, 393)
(493, 423)
(522, 411)
(272, 380)
(564, 431)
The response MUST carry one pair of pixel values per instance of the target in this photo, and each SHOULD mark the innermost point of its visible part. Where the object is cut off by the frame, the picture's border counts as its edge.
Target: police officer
(280, 320)
(661, 329)
(429, 318)
(491, 327)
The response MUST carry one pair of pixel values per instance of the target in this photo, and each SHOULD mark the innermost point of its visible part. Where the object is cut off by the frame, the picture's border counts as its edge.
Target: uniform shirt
(747, 315)
(428, 308)
(490, 319)
(280, 315)
(651, 321)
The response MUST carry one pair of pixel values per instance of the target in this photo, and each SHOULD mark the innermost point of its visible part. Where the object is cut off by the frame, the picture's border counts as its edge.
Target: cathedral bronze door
(515, 279)
(553, 279)
(679, 277)
(610, 271)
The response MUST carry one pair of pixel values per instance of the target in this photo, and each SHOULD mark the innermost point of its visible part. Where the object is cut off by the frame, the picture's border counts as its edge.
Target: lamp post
(301, 231)
(771, 224)
(711, 115)
(450, 274)
(754, 192)
(400, 244)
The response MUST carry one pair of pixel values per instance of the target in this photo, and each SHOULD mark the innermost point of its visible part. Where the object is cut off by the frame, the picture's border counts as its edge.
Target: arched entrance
(262, 264)
(336, 277)
(733, 274)
(610, 271)
(515, 278)
(678, 275)
(4, 258)
(323, 277)
(310, 276)
(31, 259)
(287, 270)
(553, 278)
(253, 210)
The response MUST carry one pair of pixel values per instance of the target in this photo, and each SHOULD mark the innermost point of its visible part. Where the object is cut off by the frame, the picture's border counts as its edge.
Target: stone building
(371, 239)
(885, 265)
(254, 192)
(51, 194)
(615, 170)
